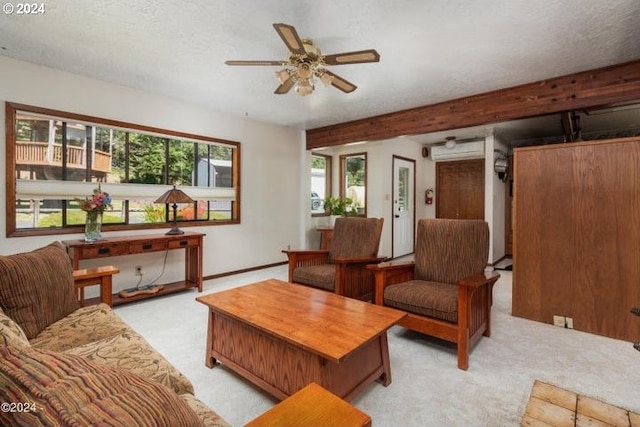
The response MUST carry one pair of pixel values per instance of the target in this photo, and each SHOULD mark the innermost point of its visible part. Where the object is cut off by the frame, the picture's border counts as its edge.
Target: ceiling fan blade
(285, 87)
(280, 63)
(290, 37)
(357, 57)
(340, 83)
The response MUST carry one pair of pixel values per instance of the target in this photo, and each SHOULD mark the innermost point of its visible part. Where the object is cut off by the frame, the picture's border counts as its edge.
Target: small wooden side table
(312, 406)
(95, 276)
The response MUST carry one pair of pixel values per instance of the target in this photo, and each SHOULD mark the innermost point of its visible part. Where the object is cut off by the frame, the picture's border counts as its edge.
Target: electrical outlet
(138, 270)
(559, 321)
(569, 322)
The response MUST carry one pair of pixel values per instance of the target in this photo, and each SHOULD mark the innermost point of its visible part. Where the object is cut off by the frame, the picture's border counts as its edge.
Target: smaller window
(353, 180)
(320, 182)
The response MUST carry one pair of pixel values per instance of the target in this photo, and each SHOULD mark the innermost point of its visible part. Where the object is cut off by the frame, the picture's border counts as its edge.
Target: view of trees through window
(353, 169)
(51, 148)
(320, 181)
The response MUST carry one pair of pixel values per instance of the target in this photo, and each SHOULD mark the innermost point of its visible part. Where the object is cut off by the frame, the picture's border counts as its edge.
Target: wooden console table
(130, 245)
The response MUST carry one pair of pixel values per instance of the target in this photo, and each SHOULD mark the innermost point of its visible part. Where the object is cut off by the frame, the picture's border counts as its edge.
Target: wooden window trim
(328, 182)
(11, 109)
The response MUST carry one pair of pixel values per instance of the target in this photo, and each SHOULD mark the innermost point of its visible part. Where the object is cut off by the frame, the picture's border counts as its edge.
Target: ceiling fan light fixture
(326, 79)
(304, 70)
(283, 75)
(304, 87)
(305, 63)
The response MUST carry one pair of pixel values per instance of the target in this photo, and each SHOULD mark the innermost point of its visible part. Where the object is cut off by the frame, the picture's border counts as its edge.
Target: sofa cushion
(130, 351)
(432, 299)
(36, 288)
(320, 276)
(208, 417)
(69, 390)
(12, 333)
(83, 326)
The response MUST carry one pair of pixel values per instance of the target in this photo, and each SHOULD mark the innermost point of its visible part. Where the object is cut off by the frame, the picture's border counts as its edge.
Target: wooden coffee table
(282, 337)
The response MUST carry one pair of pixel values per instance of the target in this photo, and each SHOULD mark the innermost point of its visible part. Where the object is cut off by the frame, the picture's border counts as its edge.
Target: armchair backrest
(355, 237)
(448, 250)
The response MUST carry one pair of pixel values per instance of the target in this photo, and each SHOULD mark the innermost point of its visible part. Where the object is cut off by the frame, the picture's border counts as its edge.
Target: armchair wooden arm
(305, 257)
(390, 273)
(365, 260)
(480, 279)
(355, 273)
(475, 298)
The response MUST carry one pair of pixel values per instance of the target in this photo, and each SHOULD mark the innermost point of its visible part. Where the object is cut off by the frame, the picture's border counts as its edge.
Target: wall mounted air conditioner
(460, 151)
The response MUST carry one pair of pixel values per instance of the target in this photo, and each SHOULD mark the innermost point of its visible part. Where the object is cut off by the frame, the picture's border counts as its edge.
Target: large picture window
(55, 159)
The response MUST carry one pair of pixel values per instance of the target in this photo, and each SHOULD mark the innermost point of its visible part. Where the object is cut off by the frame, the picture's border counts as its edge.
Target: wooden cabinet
(577, 235)
(460, 189)
(130, 245)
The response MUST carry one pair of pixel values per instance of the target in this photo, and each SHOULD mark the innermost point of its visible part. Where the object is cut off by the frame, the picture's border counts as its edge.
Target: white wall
(379, 189)
(499, 207)
(271, 204)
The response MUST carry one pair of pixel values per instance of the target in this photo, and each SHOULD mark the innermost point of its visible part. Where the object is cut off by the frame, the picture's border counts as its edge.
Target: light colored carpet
(427, 389)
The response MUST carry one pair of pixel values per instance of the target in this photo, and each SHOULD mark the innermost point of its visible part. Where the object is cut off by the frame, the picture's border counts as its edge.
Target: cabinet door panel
(460, 189)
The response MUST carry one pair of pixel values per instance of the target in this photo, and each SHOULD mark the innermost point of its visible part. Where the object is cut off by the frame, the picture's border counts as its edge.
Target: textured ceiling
(431, 50)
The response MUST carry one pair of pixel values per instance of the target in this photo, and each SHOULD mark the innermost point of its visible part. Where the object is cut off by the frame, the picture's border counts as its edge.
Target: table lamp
(174, 196)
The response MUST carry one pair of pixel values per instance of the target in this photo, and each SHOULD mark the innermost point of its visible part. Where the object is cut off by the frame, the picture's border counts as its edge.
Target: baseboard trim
(244, 270)
(498, 261)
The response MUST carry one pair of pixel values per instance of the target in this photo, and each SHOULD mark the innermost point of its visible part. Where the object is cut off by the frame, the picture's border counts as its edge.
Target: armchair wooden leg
(487, 327)
(463, 351)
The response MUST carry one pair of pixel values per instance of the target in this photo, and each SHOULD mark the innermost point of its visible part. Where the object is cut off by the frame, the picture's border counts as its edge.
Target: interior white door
(403, 206)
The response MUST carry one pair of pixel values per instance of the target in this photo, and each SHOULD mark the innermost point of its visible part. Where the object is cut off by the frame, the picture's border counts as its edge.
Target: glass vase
(92, 226)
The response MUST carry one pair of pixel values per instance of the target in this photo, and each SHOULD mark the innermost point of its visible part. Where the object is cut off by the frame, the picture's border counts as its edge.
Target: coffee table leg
(386, 365)
(209, 360)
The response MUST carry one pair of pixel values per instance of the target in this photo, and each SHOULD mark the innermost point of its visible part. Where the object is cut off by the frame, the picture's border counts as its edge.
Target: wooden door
(460, 189)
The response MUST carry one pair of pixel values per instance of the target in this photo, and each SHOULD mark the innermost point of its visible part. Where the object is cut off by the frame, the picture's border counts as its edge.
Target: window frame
(11, 110)
(343, 180)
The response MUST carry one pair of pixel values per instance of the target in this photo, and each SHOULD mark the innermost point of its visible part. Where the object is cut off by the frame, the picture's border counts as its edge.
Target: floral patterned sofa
(61, 364)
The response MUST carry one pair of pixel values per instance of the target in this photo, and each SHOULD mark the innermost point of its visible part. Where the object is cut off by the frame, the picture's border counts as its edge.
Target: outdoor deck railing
(39, 153)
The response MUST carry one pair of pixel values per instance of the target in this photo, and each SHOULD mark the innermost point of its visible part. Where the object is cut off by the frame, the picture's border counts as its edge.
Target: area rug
(550, 405)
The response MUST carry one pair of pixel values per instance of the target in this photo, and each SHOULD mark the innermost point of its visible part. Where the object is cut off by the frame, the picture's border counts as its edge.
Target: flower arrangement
(98, 202)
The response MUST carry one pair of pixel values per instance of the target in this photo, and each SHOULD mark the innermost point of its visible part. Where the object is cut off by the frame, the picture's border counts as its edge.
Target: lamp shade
(174, 196)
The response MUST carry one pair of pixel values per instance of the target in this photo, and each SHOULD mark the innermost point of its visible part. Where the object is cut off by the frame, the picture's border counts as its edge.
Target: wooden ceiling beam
(599, 87)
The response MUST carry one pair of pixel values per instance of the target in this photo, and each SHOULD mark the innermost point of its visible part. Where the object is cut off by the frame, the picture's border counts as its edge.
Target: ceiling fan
(306, 63)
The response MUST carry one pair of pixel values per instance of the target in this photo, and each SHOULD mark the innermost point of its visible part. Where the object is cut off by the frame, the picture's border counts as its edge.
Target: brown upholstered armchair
(342, 267)
(445, 292)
